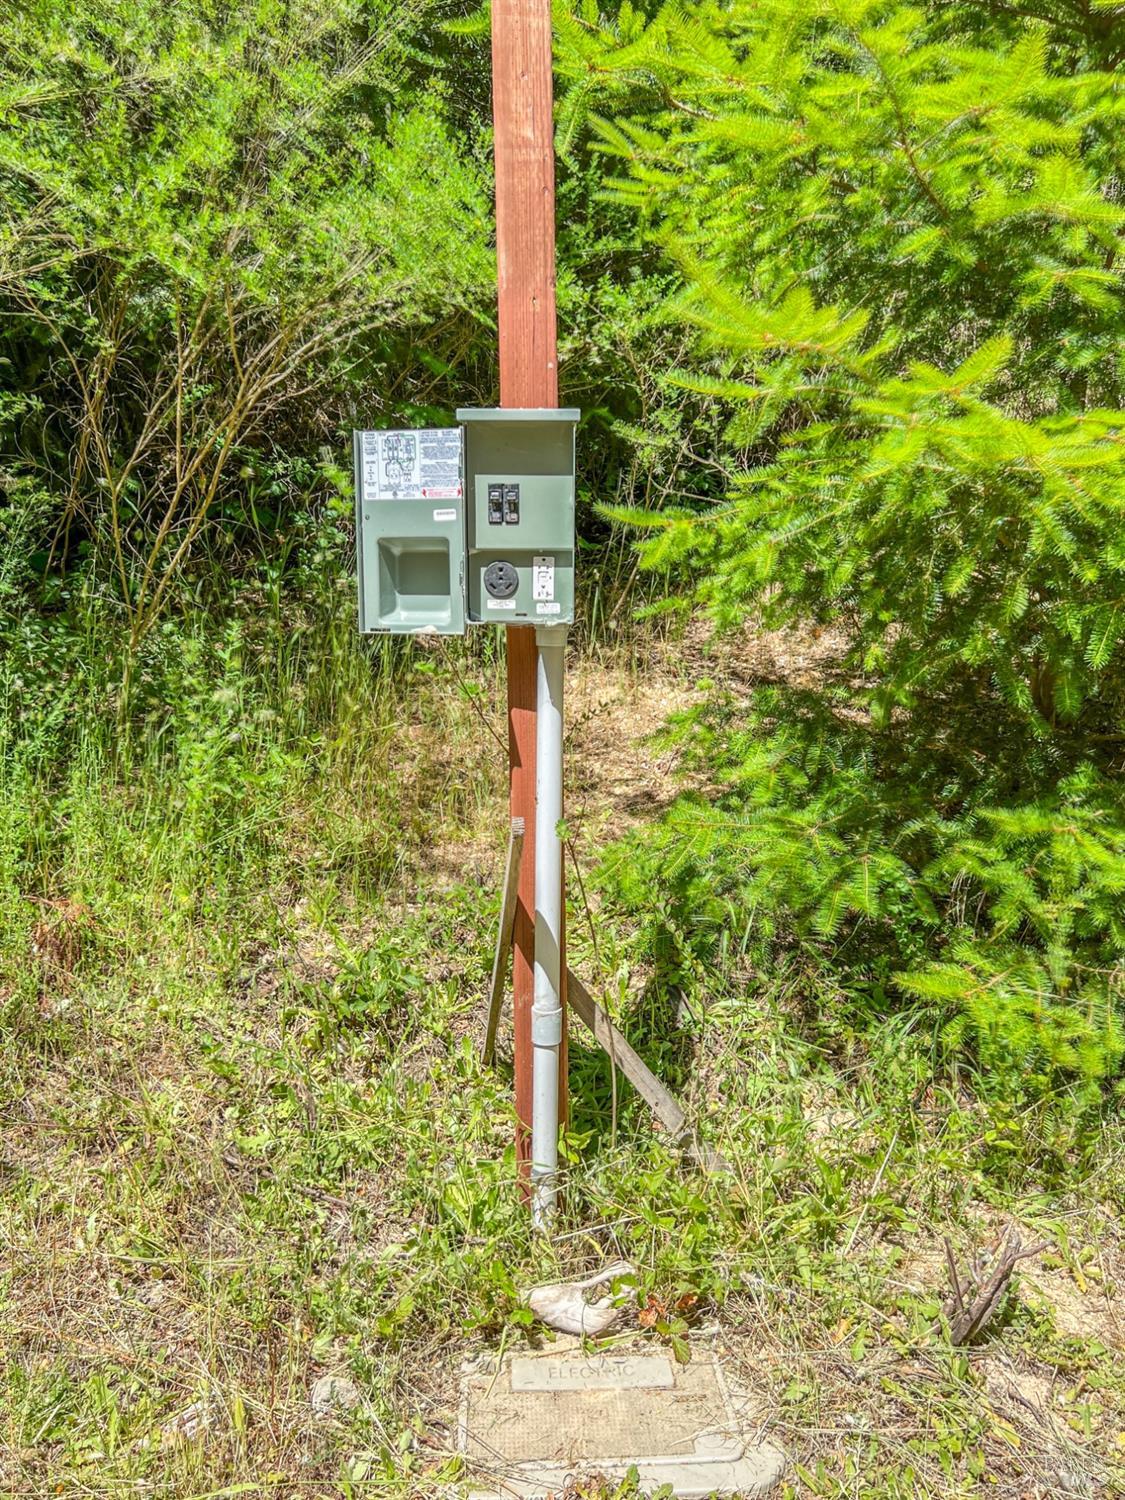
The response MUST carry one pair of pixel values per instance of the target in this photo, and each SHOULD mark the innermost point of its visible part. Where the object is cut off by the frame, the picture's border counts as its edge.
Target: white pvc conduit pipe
(546, 1009)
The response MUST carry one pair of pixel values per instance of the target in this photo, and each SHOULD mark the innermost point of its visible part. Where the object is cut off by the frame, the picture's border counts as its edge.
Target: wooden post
(522, 114)
(525, 202)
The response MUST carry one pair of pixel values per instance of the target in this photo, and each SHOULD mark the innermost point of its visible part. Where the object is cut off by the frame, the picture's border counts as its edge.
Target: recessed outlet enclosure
(519, 514)
(410, 531)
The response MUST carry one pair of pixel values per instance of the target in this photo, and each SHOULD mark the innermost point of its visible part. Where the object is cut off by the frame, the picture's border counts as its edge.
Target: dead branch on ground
(975, 1300)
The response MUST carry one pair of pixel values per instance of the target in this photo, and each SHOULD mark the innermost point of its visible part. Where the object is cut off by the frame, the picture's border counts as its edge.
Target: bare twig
(973, 1304)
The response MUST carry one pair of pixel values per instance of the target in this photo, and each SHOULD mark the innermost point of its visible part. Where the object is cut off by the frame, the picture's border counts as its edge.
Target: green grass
(247, 1139)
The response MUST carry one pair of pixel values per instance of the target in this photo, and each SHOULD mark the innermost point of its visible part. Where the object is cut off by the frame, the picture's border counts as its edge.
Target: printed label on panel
(412, 464)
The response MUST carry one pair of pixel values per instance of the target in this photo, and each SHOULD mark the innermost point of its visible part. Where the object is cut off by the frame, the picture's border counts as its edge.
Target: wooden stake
(664, 1105)
(503, 937)
(525, 273)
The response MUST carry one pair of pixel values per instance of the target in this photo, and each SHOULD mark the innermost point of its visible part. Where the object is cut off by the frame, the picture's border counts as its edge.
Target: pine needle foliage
(898, 234)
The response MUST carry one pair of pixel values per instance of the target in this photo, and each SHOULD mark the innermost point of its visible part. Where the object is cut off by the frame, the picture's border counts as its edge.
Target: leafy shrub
(897, 229)
(1007, 923)
(1035, 970)
(214, 219)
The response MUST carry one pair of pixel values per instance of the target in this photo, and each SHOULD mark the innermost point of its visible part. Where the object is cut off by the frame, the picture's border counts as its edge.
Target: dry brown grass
(218, 1185)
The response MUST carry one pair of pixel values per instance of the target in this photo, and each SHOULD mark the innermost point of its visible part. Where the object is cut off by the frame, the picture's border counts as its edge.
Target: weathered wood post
(522, 112)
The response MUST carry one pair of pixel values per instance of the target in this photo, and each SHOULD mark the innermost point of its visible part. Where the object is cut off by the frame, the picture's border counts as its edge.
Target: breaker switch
(511, 505)
(496, 505)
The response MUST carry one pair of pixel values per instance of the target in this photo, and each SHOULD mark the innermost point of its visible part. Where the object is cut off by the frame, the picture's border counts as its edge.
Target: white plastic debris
(563, 1304)
(189, 1424)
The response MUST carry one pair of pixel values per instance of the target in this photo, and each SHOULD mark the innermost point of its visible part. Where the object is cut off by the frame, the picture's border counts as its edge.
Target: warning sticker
(549, 609)
(543, 577)
(412, 464)
(499, 604)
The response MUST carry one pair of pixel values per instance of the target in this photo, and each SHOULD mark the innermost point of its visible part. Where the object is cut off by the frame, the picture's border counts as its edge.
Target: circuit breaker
(519, 514)
(410, 530)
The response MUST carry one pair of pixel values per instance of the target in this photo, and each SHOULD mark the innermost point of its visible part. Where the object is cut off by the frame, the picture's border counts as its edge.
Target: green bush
(897, 229)
(214, 219)
(1007, 923)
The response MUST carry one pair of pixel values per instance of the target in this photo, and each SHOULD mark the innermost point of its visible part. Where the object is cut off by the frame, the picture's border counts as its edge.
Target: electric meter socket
(410, 531)
(519, 514)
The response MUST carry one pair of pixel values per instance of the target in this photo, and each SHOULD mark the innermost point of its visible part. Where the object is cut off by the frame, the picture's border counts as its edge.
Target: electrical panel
(472, 523)
(519, 514)
(410, 531)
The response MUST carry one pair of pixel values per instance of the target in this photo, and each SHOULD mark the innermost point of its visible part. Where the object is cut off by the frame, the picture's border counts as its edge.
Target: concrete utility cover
(542, 1419)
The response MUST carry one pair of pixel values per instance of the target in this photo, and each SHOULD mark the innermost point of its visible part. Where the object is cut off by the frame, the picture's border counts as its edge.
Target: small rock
(333, 1393)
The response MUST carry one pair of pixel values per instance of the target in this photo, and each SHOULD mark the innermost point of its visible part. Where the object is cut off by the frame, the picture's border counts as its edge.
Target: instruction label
(421, 463)
(543, 577)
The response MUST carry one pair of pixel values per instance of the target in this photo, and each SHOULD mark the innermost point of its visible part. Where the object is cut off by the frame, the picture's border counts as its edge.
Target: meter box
(519, 514)
(410, 530)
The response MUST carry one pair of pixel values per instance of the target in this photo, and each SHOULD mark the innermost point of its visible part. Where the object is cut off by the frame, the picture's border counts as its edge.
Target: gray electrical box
(519, 514)
(472, 523)
(410, 530)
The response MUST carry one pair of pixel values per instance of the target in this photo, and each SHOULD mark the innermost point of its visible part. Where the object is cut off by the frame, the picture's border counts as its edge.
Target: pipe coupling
(546, 1027)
